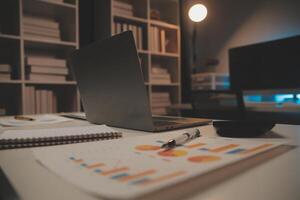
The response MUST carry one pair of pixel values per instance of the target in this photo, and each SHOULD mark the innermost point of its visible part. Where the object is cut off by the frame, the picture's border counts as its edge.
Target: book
(41, 37)
(45, 61)
(159, 70)
(47, 70)
(45, 77)
(160, 95)
(37, 101)
(122, 5)
(41, 29)
(47, 137)
(41, 33)
(5, 76)
(140, 37)
(119, 11)
(41, 22)
(5, 68)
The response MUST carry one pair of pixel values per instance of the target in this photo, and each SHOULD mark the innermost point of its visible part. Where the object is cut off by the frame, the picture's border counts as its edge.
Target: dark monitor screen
(264, 82)
(268, 65)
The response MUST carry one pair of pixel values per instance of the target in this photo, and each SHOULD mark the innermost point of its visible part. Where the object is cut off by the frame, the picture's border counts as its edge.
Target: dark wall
(232, 23)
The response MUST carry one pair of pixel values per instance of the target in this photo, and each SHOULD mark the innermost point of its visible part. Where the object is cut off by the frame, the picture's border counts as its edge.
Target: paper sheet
(39, 120)
(55, 132)
(132, 167)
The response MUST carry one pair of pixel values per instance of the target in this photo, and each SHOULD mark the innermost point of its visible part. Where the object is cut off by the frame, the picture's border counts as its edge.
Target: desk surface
(277, 178)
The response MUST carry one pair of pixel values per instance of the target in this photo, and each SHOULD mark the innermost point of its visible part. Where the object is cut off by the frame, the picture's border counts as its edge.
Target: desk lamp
(197, 13)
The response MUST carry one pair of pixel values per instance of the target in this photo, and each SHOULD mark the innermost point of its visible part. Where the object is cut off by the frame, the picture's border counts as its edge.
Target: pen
(185, 137)
(18, 117)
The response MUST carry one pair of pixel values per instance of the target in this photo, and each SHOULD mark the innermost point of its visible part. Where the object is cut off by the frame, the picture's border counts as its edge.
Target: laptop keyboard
(163, 123)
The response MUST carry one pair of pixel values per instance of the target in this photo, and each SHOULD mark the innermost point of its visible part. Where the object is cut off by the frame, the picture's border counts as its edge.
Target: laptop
(112, 89)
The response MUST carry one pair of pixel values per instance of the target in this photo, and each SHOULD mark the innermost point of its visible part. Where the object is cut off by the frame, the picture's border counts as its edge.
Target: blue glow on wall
(280, 98)
(253, 98)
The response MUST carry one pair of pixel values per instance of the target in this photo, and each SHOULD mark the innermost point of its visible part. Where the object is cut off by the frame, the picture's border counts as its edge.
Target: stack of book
(122, 8)
(160, 102)
(160, 75)
(136, 30)
(41, 28)
(5, 71)
(210, 81)
(2, 111)
(158, 39)
(40, 101)
(42, 68)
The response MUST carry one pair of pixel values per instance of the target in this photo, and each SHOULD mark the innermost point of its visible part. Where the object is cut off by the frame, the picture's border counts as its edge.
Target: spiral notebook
(58, 136)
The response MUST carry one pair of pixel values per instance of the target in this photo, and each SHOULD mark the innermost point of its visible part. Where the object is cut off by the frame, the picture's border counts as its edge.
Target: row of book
(40, 101)
(210, 81)
(123, 8)
(158, 39)
(160, 75)
(160, 101)
(43, 68)
(41, 28)
(136, 30)
(5, 71)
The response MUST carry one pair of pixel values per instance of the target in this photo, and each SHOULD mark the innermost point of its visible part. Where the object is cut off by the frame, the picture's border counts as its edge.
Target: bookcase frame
(171, 21)
(15, 88)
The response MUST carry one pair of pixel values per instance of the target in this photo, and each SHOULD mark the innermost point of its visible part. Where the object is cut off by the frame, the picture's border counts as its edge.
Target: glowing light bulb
(197, 12)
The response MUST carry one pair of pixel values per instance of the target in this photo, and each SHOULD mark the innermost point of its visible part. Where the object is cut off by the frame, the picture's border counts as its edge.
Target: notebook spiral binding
(60, 140)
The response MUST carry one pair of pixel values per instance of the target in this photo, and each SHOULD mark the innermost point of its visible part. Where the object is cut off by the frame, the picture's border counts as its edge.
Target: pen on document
(19, 117)
(185, 137)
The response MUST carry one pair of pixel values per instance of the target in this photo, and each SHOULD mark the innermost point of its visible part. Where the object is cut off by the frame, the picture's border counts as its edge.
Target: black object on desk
(7, 192)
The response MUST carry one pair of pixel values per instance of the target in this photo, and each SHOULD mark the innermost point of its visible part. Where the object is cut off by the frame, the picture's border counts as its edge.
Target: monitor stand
(242, 129)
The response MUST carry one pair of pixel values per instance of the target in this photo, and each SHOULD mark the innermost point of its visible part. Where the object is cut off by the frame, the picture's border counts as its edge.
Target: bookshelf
(155, 25)
(17, 45)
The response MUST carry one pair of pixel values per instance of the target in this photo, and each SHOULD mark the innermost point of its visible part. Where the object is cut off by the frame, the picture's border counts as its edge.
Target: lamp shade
(197, 12)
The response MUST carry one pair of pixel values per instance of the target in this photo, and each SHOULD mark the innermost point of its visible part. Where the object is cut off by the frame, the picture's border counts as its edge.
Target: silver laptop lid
(111, 85)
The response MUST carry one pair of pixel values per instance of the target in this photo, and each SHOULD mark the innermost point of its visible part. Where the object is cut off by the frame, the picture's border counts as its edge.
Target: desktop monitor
(264, 85)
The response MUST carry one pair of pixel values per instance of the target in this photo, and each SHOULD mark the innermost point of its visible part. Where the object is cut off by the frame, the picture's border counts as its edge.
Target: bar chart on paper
(132, 167)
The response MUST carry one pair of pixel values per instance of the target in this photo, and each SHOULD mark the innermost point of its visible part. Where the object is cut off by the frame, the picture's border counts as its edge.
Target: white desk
(277, 178)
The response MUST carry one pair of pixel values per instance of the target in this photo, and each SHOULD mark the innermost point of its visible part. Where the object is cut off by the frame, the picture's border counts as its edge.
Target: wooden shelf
(164, 24)
(15, 96)
(143, 51)
(131, 18)
(8, 36)
(155, 36)
(50, 83)
(173, 55)
(165, 84)
(10, 81)
(67, 5)
(49, 41)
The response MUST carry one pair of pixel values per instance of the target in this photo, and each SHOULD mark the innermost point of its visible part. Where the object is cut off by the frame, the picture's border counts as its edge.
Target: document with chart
(131, 167)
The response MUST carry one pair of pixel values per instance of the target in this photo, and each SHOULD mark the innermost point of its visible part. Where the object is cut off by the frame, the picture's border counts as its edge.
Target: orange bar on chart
(94, 165)
(138, 175)
(263, 146)
(116, 170)
(163, 178)
(194, 145)
(78, 160)
(224, 148)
